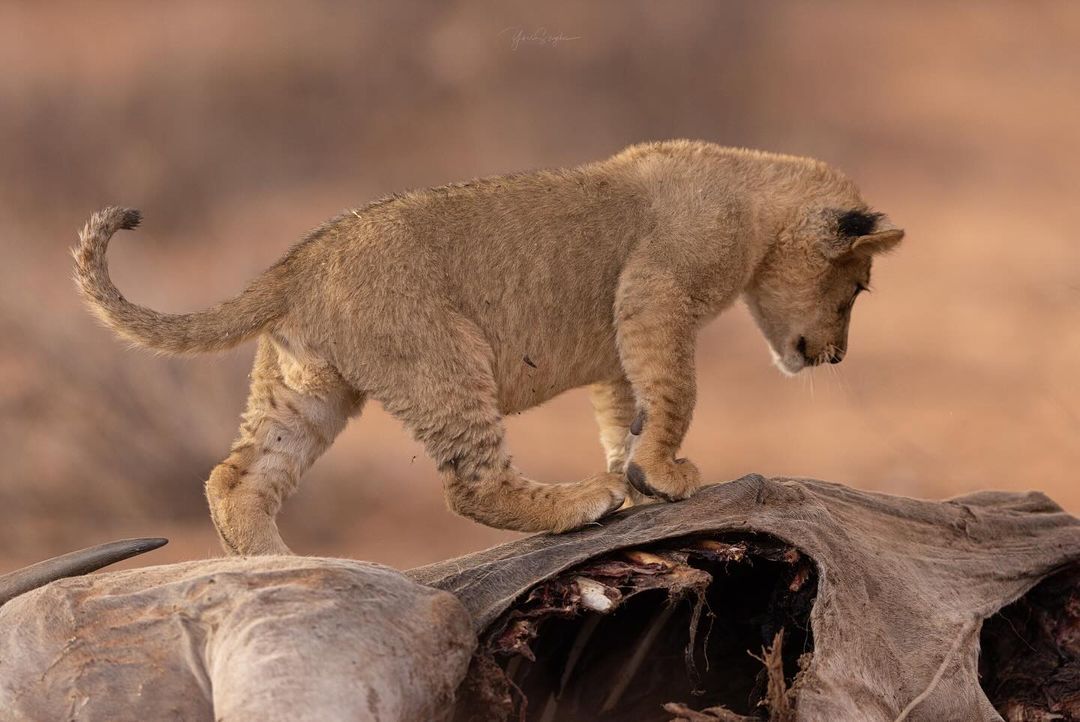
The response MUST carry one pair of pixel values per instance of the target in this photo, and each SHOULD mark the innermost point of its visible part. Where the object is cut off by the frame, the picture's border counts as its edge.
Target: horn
(73, 564)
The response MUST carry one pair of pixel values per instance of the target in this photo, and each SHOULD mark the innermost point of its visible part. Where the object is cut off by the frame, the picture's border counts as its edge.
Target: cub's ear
(863, 233)
(880, 241)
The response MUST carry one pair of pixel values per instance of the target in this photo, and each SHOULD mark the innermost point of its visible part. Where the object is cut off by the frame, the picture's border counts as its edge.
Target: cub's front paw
(668, 479)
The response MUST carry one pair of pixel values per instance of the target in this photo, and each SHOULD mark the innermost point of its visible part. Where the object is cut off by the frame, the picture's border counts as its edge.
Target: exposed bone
(710, 714)
(722, 551)
(644, 559)
(595, 596)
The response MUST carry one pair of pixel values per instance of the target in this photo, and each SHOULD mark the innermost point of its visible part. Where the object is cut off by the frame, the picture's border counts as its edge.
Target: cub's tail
(220, 327)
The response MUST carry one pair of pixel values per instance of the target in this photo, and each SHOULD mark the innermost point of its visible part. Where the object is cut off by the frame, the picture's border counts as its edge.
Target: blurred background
(236, 127)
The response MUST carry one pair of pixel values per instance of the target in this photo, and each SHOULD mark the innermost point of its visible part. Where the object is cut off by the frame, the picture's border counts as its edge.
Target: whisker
(842, 383)
(838, 378)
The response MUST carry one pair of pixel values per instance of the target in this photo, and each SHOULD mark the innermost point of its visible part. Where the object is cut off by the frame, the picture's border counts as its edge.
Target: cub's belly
(529, 374)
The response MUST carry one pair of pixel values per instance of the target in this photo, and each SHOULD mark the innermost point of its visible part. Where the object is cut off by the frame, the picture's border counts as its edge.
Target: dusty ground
(235, 129)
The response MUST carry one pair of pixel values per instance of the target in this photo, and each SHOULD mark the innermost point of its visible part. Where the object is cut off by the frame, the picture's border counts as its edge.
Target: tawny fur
(456, 305)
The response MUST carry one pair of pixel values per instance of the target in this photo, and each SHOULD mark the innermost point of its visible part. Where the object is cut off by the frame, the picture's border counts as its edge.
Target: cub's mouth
(790, 362)
(796, 357)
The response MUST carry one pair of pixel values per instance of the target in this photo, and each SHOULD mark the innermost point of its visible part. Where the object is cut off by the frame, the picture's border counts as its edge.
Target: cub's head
(802, 294)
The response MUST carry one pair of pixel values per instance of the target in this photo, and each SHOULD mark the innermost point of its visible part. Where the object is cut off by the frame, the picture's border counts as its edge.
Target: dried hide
(882, 623)
(774, 599)
(267, 638)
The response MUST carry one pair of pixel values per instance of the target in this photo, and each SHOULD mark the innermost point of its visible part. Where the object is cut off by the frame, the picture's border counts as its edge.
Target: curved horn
(83, 561)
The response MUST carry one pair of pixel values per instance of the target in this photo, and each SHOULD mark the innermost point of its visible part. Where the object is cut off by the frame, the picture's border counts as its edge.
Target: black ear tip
(855, 223)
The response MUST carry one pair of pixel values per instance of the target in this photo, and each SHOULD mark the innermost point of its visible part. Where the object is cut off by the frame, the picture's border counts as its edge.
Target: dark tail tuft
(223, 326)
(130, 218)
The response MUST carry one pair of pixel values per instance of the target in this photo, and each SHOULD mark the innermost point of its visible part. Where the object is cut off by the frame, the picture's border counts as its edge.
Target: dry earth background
(237, 127)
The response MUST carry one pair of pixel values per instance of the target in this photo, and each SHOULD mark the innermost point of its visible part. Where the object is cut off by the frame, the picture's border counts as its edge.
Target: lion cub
(456, 305)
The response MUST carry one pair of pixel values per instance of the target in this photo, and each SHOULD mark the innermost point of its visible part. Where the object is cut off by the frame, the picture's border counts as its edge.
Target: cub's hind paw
(579, 503)
(514, 502)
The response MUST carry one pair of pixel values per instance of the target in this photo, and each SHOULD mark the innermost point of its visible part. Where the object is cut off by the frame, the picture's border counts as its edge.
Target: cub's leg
(655, 335)
(293, 414)
(615, 408)
(446, 394)
(620, 427)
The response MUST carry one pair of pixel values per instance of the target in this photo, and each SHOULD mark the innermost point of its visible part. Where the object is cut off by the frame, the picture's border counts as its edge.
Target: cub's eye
(859, 288)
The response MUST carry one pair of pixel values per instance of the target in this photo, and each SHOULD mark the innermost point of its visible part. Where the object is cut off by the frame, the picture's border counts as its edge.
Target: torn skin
(693, 623)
